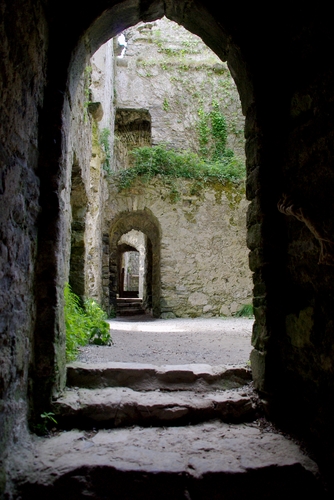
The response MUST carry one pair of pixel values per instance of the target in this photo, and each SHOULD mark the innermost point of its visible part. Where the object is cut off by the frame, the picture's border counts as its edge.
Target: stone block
(258, 364)
(260, 336)
(254, 236)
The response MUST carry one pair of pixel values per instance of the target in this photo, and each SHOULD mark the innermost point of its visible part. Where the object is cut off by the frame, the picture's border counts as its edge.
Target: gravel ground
(142, 339)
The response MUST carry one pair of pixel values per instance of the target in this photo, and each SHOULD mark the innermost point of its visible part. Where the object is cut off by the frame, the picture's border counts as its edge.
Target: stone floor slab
(207, 461)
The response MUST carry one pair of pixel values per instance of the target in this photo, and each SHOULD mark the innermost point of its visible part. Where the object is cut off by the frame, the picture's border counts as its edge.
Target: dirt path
(141, 339)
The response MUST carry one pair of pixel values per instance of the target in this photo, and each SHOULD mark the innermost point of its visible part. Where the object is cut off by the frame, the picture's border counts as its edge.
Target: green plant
(219, 132)
(245, 311)
(165, 105)
(170, 164)
(47, 420)
(75, 323)
(105, 144)
(204, 133)
(96, 321)
(87, 92)
(84, 324)
(212, 130)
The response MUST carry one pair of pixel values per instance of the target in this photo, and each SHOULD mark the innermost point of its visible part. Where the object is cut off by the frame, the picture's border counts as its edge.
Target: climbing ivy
(212, 130)
(105, 144)
(204, 133)
(165, 105)
(87, 91)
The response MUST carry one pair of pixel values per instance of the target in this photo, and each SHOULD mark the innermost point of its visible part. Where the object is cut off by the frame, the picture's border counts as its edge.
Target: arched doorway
(144, 222)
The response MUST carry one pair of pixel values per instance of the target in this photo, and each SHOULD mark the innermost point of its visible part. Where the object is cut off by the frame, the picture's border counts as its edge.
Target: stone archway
(145, 222)
(290, 151)
(55, 155)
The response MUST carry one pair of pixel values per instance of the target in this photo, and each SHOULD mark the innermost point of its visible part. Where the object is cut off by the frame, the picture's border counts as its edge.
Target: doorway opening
(134, 260)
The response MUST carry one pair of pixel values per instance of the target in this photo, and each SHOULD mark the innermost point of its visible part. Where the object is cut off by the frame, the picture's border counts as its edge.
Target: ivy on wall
(212, 129)
(105, 144)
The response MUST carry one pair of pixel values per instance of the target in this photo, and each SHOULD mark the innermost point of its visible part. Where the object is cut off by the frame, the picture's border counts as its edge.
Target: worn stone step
(126, 306)
(211, 461)
(128, 300)
(129, 309)
(140, 376)
(128, 303)
(130, 312)
(132, 305)
(114, 407)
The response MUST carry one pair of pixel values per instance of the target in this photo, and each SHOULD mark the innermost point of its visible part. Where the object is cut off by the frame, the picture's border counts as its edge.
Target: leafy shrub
(83, 324)
(98, 327)
(246, 311)
(170, 164)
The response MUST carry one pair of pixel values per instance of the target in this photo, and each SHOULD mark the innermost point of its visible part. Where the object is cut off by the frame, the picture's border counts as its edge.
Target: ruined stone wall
(204, 265)
(171, 73)
(22, 80)
(101, 114)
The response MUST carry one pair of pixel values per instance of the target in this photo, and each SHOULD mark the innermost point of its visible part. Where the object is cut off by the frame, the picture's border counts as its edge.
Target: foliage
(47, 420)
(75, 323)
(212, 130)
(99, 328)
(214, 163)
(170, 164)
(83, 324)
(246, 311)
(105, 144)
(87, 92)
(204, 133)
(165, 105)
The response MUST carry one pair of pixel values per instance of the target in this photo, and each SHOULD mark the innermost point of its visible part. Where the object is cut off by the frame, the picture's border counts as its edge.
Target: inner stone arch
(146, 223)
(132, 250)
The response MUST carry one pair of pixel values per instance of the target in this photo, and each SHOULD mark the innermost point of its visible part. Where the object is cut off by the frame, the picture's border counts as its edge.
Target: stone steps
(114, 407)
(133, 439)
(129, 307)
(116, 394)
(209, 461)
(144, 377)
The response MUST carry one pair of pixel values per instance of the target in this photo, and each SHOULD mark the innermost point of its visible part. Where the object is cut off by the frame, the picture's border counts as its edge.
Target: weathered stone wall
(171, 73)
(204, 264)
(101, 114)
(22, 80)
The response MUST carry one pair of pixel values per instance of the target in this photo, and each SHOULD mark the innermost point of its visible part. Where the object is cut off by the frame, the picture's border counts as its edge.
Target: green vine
(219, 131)
(105, 144)
(87, 92)
(165, 105)
(204, 133)
(212, 131)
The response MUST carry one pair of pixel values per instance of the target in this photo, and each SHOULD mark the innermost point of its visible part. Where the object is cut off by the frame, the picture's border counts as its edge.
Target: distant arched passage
(148, 224)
